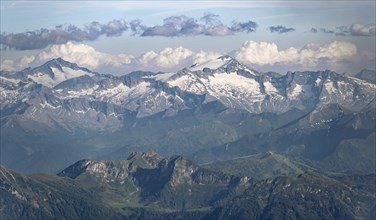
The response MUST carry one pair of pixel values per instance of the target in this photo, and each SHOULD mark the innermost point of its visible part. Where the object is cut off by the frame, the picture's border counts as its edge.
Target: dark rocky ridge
(147, 186)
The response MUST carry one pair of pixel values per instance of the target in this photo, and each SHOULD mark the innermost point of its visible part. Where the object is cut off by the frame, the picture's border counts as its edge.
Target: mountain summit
(225, 64)
(53, 72)
(149, 167)
(212, 64)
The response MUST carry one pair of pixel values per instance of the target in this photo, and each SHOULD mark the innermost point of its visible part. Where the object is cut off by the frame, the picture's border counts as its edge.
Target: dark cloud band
(367, 30)
(209, 24)
(174, 26)
(280, 29)
(61, 34)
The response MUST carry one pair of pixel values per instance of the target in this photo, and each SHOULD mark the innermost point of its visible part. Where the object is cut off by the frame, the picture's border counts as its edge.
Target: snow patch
(189, 83)
(211, 64)
(14, 81)
(269, 88)
(362, 82)
(163, 77)
(17, 194)
(329, 86)
(118, 92)
(80, 111)
(296, 91)
(59, 77)
(317, 82)
(227, 84)
(250, 71)
(346, 89)
(43, 79)
(141, 89)
(48, 105)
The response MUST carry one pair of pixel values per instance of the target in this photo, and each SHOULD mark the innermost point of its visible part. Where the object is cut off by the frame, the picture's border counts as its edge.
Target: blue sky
(266, 35)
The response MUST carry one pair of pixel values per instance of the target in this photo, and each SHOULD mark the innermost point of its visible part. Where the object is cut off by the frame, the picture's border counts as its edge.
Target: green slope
(260, 166)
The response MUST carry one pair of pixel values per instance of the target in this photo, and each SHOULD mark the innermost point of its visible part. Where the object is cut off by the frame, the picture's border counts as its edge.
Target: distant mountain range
(58, 113)
(148, 186)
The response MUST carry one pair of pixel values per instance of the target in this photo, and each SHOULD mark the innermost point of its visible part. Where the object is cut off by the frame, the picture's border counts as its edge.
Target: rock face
(149, 168)
(147, 177)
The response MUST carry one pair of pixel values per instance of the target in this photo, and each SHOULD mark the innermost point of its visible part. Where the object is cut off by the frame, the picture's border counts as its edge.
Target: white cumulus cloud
(363, 30)
(173, 59)
(263, 56)
(168, 59)
(7, 65)
(83, 55)
(309, 57)
(11, 65)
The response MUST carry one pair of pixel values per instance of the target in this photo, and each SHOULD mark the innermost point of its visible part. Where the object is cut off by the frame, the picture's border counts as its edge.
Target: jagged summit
(54, 72)
(148, 158)
(223, 64)
(147, 154)
(148, 167)
(211, 64)
(56, 62)
(60, 64)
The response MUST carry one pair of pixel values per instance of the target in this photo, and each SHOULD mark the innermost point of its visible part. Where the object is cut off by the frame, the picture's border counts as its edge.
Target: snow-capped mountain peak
(223, 64)
(54, 72)
(77, 95)
(212, 64)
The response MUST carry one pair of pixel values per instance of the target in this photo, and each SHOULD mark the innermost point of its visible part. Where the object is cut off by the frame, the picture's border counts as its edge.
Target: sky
(118, 37)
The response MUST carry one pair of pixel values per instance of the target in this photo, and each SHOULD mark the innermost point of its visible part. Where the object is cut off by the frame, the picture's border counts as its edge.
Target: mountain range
(58, 113)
